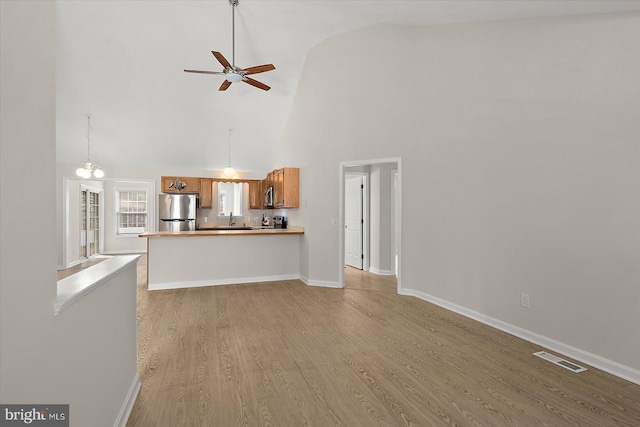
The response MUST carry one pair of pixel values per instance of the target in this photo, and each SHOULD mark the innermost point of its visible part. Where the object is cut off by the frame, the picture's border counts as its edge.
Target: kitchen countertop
(221, 232)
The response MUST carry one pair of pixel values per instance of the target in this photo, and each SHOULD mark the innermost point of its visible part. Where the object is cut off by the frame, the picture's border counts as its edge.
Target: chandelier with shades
(87, 169)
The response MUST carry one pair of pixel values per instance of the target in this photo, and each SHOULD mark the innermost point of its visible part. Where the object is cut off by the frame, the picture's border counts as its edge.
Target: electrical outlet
(524, 300)
(204, 219)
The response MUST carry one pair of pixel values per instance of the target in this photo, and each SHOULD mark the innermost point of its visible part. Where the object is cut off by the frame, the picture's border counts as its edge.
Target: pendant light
(229, 172)
(87, 169)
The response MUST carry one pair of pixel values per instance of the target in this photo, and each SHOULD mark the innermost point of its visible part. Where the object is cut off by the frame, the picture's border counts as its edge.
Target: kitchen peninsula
(221, 257)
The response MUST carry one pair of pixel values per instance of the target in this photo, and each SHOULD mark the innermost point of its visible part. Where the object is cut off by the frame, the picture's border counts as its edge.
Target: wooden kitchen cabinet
(286, 188)
(191, 185)
(256, 195)
(278, 188)
(206, 193)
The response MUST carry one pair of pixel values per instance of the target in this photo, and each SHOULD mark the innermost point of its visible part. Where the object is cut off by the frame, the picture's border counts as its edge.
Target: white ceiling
(122, 62)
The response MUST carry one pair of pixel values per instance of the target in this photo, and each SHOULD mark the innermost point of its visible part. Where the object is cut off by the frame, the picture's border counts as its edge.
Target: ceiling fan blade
(256, 83)
(225, 84)
(259, 69)
(222, 60)
(203, 72)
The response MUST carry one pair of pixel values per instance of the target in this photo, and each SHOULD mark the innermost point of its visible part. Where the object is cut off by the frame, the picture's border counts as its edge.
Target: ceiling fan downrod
(233, 4)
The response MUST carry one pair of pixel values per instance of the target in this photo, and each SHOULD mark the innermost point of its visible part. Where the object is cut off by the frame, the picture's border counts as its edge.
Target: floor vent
(558, 361)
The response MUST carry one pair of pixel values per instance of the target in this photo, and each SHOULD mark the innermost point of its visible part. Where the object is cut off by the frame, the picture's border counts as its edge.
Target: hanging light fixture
(87, 169)
(229, 172)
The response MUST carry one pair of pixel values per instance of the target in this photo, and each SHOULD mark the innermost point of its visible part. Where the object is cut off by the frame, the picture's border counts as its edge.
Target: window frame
(241, 199)
(117, 213)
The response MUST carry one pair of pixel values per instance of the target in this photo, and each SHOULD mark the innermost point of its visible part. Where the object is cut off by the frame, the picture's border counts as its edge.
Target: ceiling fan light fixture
(233, 77)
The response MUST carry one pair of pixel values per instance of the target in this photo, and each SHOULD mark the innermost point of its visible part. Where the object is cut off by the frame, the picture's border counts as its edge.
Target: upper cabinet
(286, 188)
(206, 193)
(285, 183)
(176, 184)
(256, 195)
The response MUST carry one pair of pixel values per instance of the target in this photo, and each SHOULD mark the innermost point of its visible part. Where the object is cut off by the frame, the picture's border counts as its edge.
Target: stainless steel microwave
(268, 197)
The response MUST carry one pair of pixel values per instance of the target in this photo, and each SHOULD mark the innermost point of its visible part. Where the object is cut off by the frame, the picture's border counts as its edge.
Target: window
(131, 211)
(229, 198)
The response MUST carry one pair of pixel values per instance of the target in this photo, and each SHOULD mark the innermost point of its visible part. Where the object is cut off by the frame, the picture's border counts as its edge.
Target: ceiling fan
(232, 73)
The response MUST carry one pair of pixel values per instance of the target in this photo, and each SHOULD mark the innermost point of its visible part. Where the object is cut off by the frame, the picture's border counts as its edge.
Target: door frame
(100, 193)
(341, 221)
(365, 217)
(394, 223)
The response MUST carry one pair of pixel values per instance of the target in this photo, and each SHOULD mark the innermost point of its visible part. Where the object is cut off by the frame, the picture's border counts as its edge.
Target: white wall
(380, 214)
(86, 356)
(519, 142)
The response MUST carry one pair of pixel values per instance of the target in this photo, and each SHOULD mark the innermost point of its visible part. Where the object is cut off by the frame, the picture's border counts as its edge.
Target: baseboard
(320, 283)
(124, 252)
(599, 362)
(219, 282)
(127, 406)
(381, 272)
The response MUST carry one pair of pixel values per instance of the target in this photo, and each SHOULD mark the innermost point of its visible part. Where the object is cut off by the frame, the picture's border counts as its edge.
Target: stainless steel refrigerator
(177, 212)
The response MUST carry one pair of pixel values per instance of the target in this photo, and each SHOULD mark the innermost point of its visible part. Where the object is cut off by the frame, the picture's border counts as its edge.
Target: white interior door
(353, 220)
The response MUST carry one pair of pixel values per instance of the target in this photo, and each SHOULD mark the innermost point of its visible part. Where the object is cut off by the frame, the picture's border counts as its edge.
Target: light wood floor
(365, 281)
(142, 268)
(287, 354)
(61, 274)
(142, 271)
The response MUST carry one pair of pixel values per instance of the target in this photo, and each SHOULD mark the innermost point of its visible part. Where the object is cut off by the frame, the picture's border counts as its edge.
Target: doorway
(354, 219)
(90, 220)
(380, 217)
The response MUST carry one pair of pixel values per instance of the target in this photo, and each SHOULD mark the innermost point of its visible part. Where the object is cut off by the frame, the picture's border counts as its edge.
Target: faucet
(231, 220)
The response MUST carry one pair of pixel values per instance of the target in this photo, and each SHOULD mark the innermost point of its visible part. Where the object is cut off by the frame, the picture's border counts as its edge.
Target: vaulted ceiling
(122, 62)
